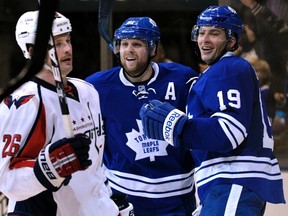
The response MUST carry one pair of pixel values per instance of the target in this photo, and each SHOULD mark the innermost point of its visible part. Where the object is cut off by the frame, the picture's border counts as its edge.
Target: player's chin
(66, 70)
(207, 58)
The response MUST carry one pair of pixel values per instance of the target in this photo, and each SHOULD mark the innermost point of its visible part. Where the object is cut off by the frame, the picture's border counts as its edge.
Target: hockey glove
(57, 161)
(162, 121)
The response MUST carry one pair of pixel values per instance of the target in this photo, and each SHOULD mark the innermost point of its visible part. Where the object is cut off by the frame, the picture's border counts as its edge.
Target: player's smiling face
(211, 42)
(134, 56)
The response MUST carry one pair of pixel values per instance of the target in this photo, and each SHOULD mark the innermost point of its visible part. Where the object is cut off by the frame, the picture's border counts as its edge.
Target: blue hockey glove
(162, 121)
(57, 161)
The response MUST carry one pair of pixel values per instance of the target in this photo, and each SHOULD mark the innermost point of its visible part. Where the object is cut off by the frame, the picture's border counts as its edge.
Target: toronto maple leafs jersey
(229, 131)
(30, 119)
(154, 174)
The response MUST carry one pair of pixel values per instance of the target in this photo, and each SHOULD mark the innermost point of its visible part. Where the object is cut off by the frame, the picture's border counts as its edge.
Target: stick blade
(105, 9)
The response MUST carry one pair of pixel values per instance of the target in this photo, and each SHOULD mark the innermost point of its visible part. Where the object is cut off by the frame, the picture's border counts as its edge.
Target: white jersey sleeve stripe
(232, 120)
(235, 132)
(224, 125)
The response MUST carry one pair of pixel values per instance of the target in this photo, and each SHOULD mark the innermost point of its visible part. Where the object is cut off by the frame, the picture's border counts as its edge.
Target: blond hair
(263, 66)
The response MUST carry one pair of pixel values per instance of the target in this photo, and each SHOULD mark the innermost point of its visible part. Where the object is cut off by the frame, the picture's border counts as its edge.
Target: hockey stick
(105, 8)
(46, 15)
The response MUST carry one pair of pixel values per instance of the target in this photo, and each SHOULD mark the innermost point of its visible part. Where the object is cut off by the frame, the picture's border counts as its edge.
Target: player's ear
(232, 41)
(154, 51)
(30, 50)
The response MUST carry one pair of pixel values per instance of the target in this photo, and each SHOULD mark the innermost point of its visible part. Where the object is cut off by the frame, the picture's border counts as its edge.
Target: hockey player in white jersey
(225, 126)
(42, 172)
(157, 177)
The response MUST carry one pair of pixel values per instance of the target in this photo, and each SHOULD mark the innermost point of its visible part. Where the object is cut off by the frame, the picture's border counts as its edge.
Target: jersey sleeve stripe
(232, 120)
(233, 129)
(224, 126)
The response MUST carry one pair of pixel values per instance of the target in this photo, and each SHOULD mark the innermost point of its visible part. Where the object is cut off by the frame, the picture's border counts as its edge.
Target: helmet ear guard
(194, 33)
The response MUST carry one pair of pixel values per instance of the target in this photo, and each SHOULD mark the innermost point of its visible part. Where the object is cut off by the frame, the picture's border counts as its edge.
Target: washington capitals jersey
(30, 119)
(145, 169)
(229, 131)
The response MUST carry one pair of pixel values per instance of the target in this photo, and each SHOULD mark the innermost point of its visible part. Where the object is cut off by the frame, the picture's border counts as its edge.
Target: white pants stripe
(233, 200)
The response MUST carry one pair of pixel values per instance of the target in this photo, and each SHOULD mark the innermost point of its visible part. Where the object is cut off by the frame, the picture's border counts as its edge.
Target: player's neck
(47, 76)
(143, 78)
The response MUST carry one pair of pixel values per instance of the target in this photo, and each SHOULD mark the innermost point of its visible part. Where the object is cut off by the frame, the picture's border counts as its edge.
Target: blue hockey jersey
(151, 172)
(229, 131)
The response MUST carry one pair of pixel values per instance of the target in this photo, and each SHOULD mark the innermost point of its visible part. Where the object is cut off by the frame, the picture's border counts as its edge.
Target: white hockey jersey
(30, 119)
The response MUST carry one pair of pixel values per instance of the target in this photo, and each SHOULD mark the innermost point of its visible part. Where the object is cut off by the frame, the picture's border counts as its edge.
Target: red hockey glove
(57, 161)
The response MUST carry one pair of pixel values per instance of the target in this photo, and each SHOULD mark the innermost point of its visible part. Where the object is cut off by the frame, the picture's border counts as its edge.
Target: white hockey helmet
(26, 29)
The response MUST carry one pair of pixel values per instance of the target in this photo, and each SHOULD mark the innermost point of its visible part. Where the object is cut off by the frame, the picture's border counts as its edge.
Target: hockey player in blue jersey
(157, 177)
(225, 125)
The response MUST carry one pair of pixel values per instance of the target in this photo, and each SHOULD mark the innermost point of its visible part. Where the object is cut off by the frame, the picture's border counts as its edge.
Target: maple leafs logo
(144, 146)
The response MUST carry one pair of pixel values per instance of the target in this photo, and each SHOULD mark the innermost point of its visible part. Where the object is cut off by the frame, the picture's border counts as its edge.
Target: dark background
(175, 18)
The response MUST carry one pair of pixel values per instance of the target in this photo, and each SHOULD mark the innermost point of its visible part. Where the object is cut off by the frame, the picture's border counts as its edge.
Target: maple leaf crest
(144, 146)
